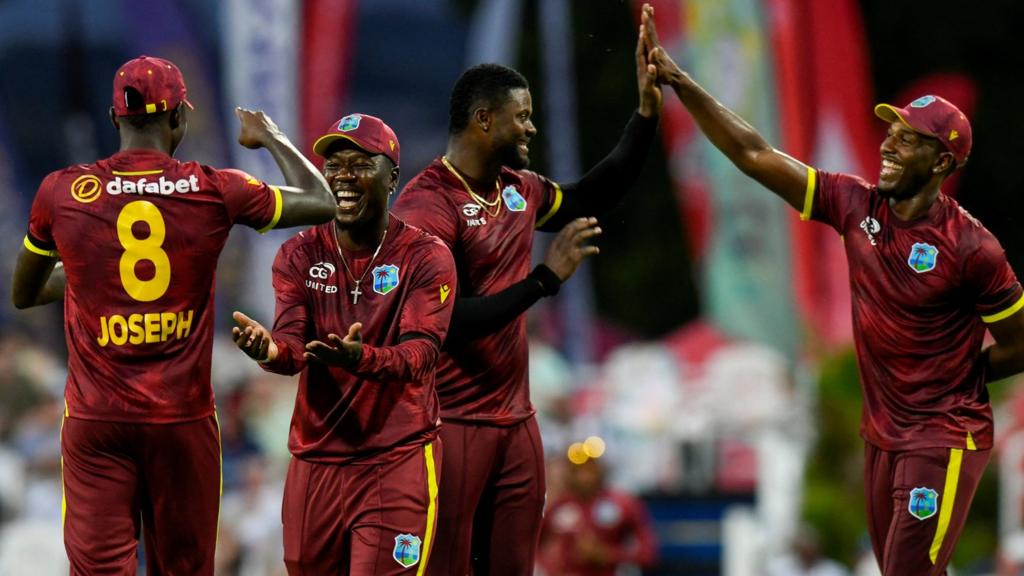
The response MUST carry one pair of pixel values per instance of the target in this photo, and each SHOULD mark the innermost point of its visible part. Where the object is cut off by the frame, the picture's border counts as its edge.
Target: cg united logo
(321, 270)
(870, 226)
(86, 188)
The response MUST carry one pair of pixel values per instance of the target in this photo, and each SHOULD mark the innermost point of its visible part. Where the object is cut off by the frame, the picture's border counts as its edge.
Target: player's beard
(509, 156)
(906, 187)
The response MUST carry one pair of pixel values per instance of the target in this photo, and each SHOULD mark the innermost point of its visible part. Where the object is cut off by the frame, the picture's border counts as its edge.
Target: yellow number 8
(138, 249)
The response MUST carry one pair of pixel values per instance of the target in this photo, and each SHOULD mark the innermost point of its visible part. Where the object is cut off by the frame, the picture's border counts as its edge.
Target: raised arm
(607, 182)
(306, 199)
(738, 140)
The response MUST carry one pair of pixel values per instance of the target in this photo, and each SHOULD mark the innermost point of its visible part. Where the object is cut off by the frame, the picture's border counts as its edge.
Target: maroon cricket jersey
(484, 380)
(922, 292)
(139, 234)
(389, 399)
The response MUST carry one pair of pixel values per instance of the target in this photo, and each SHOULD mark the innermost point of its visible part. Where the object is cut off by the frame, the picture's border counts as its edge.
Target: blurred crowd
(631, 406)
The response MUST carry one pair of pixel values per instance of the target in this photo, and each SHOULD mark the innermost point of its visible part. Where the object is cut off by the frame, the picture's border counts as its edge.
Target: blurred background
(704, 358)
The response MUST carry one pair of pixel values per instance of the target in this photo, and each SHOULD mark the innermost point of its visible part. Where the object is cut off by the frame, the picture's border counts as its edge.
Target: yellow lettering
(135, 327)
(118, 330)
(167, 322)
(104, 338)
(152, 327)
(184, 324)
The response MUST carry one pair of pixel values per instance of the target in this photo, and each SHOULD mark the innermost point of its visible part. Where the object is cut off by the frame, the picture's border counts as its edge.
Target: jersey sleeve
(831, 197)
(428, 309)
(39, 239)
(424, 207)
(292, 320)
(991, 283)
(547, 193)
(248, 200)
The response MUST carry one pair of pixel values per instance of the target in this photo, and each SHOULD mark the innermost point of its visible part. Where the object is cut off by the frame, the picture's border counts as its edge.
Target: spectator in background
(593, 530)
(804, 558)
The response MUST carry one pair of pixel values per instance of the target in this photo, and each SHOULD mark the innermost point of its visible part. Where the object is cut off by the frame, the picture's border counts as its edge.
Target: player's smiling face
(513, 129)
(908, 162)
(361, 183)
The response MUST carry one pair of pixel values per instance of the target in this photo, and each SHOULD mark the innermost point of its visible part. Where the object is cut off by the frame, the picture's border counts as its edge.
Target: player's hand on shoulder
(569, 247)
(253, 338)
(337, 351)
(256, 129)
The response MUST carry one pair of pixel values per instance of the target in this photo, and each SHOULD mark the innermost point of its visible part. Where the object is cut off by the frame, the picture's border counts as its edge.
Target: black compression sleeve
(604, 185)
(476, 316)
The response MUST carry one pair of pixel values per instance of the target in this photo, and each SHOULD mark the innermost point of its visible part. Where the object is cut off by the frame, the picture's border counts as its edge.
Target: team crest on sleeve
(407, 550)
(385, 278)
(86, 188)
(350, 122)
(923, 503)
(922, 257)
(514, 201)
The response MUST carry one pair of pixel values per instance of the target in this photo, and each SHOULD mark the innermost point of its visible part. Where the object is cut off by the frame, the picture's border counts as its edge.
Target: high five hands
(658, 65)
(646, 73)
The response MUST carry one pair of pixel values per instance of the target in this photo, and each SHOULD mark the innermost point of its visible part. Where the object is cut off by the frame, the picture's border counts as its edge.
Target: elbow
(22, 301)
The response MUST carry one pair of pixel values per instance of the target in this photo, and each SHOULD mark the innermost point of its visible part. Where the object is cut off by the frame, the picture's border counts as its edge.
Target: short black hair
(487, 84)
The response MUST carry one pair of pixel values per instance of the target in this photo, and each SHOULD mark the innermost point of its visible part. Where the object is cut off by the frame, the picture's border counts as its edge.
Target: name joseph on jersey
(144, 328)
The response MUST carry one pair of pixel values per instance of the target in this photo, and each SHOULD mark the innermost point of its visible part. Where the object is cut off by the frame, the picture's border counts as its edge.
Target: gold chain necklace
(355, 292)
(496, 203)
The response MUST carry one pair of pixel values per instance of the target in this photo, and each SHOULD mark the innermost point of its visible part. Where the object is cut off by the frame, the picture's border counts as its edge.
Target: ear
(944, 164)
(393, 185)
(113, 119)
(482, 117)
(176, 117)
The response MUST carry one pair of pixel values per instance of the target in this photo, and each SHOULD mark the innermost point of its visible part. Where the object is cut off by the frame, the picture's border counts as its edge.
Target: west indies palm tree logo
(407, 549)
(922, 257)
(514, 201)
(923, 503)
(385, 278)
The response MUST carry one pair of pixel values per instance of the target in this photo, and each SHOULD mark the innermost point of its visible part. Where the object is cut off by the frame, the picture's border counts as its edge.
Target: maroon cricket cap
(367, 132)
(936, 117)
(158, 81)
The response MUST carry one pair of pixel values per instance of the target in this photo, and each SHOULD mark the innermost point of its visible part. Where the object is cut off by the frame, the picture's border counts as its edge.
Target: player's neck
(364, 236)
(132, 140)
(473, 162)
(916, 206)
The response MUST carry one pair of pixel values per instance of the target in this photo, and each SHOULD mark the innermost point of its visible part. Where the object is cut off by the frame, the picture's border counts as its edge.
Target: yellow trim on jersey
(812, 176)
(278, 206)
(554, 206)
(970, 442)
(63, 492)
(37, 250)
(947, 501)
(1005, 313)
(137, 173)
(428, 535)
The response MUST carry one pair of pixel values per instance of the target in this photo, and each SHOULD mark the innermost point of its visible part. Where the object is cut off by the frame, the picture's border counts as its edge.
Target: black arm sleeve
(476, 316)
(606, 184)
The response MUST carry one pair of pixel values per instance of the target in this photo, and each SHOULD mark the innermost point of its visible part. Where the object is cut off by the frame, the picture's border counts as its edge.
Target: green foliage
(834, 495)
